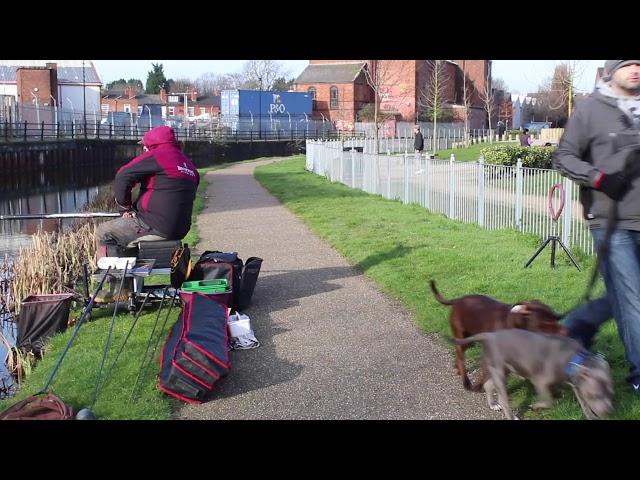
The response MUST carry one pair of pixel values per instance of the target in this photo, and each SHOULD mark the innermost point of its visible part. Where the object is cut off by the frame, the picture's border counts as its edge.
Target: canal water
(54, 191)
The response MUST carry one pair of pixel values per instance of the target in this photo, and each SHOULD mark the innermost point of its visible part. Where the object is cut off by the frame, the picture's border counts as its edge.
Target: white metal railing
(493, 196)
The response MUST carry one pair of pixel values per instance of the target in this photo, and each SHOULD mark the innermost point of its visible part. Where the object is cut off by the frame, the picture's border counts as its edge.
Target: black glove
(614, 185)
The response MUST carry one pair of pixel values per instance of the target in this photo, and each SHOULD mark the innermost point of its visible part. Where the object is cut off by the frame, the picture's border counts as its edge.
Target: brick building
(341, 90)
(66, 84)
(170, 105)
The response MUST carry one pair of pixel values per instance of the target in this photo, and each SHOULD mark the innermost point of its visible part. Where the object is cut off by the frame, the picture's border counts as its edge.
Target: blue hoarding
(253, 102)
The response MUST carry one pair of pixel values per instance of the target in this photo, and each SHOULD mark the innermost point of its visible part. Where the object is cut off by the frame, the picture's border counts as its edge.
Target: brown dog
(473, 314)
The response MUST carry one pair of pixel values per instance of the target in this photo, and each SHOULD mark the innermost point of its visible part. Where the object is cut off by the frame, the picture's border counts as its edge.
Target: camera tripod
(554, 240)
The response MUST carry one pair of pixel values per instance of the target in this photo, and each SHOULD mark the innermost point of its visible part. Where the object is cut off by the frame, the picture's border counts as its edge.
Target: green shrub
(534, 157)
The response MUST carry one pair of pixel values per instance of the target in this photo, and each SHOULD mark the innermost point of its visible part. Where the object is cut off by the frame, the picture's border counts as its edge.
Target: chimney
(163, 94)
(129, 92)
(194, 95)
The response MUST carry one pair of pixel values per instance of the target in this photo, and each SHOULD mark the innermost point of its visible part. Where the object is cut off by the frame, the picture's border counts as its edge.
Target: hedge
(534, 157)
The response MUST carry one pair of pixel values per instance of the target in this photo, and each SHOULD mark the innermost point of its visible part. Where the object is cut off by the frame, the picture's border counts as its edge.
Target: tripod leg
(537, 252)
(571, 257)
(553, 251)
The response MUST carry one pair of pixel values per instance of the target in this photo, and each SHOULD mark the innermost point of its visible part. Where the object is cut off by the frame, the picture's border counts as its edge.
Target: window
(105, 108)
(192, 111)
(333, 93)
(127, 107)
(203, 111)
(173, 99)
(312, 91)
(172, 111)
(140, 110)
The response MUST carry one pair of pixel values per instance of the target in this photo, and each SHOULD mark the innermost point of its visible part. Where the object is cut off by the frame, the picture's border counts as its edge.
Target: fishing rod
(38, 216)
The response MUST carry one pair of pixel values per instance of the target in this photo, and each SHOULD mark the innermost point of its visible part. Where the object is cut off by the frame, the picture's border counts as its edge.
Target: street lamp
(73, 114)
(55, 112)
(37, 105)
(186, 118)
(149, 110)
(84, 102)
(260, 109)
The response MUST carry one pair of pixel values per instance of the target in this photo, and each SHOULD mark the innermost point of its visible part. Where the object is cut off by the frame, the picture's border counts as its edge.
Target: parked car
(537, 126)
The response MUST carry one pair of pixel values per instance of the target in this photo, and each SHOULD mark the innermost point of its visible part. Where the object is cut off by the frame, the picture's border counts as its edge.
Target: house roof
(141, 98)
(149, 99)
(68, 71)
(213, 100)
(330, 73)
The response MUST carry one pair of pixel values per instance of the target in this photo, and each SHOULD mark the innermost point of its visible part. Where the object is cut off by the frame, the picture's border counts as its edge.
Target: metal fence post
(25, 130)
(353, 168)
(519, 199)
(42, 130)
(342, 165)
(568, 212)
(481, 191)
(389, 177)
(452, 187)
(405, 182)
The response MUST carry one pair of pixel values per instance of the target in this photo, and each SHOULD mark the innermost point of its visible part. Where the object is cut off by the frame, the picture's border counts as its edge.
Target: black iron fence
(32, 131)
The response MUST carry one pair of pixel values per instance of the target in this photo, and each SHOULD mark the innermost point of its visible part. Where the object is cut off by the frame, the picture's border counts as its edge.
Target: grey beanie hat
(611, 66)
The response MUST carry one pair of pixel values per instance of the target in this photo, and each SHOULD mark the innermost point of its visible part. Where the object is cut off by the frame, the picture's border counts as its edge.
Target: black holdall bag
(195, 356)
(242, 278)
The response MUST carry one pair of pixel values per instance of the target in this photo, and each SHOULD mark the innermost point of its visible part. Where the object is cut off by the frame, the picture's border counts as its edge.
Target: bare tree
(432, 95)
(181, 84)
(384, 78)
(467, 101)
(555, 97)
(213, 83)
(262, 73)
(488, 98)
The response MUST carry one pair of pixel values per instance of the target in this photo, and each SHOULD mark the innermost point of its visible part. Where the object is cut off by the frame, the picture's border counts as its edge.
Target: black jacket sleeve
(569, 157)
(136, 171)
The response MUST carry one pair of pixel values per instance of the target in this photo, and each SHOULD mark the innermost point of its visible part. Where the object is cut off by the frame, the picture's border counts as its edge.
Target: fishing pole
(38, 216)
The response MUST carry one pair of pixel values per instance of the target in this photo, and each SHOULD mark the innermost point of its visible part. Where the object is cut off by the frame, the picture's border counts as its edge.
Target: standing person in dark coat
(418, 143)
(599, 144)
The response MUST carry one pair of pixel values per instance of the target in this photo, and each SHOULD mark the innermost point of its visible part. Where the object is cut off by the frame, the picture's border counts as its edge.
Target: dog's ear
(536, 306)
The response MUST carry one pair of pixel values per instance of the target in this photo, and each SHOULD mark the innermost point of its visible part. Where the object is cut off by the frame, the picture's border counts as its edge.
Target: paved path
(332, 345)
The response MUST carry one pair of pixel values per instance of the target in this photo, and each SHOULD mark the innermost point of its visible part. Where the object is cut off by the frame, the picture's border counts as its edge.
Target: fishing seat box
(161, 250)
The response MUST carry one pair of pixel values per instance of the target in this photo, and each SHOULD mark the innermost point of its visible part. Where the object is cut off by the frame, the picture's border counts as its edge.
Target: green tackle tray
(207, 286)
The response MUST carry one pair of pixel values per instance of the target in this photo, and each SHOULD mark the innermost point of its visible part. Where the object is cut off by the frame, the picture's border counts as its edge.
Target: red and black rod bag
(195, 356)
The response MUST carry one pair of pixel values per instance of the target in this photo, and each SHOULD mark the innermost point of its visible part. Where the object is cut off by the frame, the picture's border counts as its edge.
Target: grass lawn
(401, 247)
(470, 154)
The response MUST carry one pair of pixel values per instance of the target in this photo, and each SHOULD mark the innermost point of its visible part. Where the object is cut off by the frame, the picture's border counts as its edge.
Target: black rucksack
(242, 277)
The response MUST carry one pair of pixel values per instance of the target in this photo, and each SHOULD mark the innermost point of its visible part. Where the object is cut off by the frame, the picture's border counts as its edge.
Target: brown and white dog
(473, 314)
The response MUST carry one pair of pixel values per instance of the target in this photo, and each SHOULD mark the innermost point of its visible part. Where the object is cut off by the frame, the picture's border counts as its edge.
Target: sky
(521, 76)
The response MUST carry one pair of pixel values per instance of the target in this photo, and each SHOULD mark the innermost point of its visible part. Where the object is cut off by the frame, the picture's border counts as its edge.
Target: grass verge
(401, 247)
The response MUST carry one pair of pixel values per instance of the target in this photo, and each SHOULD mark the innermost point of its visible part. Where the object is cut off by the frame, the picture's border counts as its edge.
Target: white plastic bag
(241, 333)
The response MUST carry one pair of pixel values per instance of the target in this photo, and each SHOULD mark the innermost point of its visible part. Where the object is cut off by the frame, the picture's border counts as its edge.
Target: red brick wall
(349, 96)
(42, 78)
(398, 89)
(476, 71)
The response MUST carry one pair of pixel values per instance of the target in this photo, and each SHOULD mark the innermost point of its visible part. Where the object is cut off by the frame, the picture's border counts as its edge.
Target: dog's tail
(480, 337)
(439, 297)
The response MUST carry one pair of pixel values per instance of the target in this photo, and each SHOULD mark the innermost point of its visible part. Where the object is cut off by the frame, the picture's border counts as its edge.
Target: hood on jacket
(158, 136)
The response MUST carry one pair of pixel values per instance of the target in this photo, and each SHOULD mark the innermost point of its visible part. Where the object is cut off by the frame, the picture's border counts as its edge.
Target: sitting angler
(168, 184)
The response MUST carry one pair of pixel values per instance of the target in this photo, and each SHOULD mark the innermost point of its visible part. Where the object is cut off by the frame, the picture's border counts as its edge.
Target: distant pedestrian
(418, 142)
(525, 138)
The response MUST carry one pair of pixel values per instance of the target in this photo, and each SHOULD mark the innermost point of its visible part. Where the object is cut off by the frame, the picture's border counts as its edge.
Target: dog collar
(574, 362)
